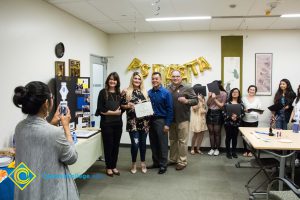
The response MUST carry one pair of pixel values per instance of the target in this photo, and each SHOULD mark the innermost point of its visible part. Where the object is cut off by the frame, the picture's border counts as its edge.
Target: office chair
(292, 194)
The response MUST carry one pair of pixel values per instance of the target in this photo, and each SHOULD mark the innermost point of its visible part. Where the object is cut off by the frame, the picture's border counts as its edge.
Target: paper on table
(85, 133)
(285, 140)
(5, 161)
(143, 109)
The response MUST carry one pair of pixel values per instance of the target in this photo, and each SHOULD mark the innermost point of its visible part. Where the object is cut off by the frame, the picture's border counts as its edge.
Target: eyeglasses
(137, 79)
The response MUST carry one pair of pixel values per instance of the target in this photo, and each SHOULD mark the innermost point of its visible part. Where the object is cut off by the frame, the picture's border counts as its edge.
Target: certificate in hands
(143, 109)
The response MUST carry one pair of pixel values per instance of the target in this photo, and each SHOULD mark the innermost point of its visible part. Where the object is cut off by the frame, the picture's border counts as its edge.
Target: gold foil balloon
(156, 68)
(183, 71)
(145, 70)
(135, 64)
(161, 69)
(203, 64)
(192, 65)
(194, 70)
(168, 73)
(189, 76)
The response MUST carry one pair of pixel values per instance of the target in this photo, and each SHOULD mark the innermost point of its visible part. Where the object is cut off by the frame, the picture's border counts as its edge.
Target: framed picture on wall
(263, 73)
(232, 73)
(74, 68)
(59, 68)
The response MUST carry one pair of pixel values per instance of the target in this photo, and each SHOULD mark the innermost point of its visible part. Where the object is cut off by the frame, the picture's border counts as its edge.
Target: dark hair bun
(31, 97)
(20, 96)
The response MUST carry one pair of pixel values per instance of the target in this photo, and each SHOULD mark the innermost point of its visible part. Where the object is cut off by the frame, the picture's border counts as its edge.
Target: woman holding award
(138, 128)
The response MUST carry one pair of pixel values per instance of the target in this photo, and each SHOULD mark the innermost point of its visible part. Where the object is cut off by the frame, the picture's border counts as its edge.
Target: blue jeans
(138, 141)
(280, 121)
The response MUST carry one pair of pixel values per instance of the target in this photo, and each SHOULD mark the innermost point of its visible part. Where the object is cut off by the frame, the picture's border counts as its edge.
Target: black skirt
(214, 117)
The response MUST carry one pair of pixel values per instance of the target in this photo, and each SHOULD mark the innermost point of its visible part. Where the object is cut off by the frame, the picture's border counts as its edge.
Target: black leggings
(231, 135)
(214, 135)
(248, 124)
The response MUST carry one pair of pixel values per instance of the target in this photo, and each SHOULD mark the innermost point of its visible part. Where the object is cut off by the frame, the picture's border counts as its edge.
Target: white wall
(29, 32)
(181, 47)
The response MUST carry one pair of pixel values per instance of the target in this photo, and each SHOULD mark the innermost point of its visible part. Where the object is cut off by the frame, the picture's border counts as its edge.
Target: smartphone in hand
(63, 107)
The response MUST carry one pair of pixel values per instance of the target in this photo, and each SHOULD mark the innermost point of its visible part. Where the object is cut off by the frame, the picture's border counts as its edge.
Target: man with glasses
(183, 98)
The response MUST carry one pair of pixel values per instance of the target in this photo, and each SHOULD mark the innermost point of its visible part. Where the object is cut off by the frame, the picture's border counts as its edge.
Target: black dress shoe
(162, 170)
(152, 166)
(234, 155)
(228, 155)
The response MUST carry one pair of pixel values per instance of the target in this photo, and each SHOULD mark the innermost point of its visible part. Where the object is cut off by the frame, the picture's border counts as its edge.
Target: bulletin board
(78, 98)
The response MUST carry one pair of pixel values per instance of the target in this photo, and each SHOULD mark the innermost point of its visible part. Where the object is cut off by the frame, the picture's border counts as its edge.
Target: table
(89, 150)
(7, 186)
(267, 143)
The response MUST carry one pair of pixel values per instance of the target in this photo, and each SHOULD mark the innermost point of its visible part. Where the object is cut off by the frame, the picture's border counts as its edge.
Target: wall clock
(59, 50)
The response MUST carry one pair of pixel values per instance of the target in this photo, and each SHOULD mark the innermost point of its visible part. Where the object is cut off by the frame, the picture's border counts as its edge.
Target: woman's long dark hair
(289, 94)
(239, 100)
(116, 77)
(298, 94)
(31, 97)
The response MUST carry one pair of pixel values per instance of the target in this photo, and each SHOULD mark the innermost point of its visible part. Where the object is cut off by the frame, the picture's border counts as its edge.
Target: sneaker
(216, 153)
(211, 152)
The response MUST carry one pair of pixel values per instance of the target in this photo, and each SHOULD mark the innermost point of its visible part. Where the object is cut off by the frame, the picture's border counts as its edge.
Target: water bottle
(74, 137)
(295, 128)
(92, 120)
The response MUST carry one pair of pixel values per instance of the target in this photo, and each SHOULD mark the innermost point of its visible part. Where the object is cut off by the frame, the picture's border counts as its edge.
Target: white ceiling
(128, 16)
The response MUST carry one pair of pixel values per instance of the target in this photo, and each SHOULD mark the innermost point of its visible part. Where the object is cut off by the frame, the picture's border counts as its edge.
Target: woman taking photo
(138, 128)
(45, 148)
(109, 101)
(251, 117)
(214, 118)
(285, 96)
